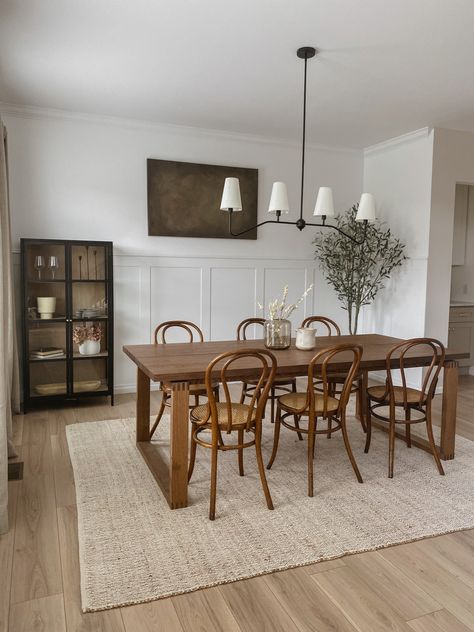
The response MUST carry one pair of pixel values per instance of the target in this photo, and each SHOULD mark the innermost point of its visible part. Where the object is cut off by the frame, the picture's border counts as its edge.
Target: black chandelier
(324, 208)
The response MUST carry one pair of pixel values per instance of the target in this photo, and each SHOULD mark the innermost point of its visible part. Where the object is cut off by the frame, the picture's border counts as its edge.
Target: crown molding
(398, 140)
(40, 113)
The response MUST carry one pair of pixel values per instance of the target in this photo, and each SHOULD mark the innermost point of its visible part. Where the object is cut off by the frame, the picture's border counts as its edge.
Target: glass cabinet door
(89, 304)
(45, 302)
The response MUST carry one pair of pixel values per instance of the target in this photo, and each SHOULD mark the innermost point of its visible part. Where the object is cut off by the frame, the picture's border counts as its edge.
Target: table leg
(179, 433)
(448, 411)
(143, 406)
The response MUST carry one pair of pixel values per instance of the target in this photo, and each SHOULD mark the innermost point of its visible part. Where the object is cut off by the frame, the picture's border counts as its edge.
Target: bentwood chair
(194, 334)
(413, 404)
(313, 404)
(215, 425)
(280, 383)
(336, 380)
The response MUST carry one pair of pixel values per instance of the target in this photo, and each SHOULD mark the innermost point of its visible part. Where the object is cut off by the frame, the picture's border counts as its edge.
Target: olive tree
(358, 272)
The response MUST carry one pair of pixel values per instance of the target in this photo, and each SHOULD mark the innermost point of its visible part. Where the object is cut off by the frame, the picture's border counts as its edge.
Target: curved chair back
(320, 368)
(192, 330)
(245, 324)
(398, 359)
(331, 327)
(224, 368)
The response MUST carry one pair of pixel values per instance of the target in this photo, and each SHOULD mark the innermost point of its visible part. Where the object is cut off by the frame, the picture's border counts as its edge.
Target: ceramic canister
(305, 338)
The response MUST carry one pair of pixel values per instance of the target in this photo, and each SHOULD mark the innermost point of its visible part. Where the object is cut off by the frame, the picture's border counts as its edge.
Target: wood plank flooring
(425, 586)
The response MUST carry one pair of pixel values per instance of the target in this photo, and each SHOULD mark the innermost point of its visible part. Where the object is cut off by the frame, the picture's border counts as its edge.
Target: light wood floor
(425, 586)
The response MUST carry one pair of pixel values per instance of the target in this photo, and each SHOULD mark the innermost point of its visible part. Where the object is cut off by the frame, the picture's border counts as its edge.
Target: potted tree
(357, 272)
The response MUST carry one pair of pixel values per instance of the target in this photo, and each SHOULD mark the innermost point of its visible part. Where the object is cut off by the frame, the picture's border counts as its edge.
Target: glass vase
(277, 334)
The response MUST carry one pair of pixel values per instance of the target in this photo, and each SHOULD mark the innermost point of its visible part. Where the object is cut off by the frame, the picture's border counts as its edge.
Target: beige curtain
(9, 374)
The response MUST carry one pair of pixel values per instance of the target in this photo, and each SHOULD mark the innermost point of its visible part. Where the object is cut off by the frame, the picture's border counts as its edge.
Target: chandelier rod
(303, 149)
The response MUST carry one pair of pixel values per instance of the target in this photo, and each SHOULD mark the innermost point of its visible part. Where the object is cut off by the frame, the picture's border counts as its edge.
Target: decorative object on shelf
(46, 306)
(277, 327)
(324, 208)
(39, 265)
(358, 271)
(79, 387)
(183, 196)
(53, 265)
(80, 267)
(88, 338)
(46, 353)
(32, 313)
(95, 264)
(87, 263)
(305, 338)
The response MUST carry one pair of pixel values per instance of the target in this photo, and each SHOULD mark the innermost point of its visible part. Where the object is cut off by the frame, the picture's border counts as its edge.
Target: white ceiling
(386, 67)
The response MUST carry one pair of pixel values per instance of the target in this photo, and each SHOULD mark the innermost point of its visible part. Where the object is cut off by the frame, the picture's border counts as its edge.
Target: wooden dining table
(181, 364)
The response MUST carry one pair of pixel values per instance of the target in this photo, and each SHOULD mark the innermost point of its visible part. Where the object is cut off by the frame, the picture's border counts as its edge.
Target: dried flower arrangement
(82, 333)
(279, 310)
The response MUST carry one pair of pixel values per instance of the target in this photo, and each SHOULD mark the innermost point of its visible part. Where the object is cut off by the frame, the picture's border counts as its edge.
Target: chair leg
(295, 417)
(408, 428)
(361, 392)
(429, 431)
(272, 405)
(192, 457)
(368, 422)
(391, 447)
(261, 468)
(241, 452)
(216, 393)
(243, 394)
(164, 399)
(349, 449)
(276, 437)
(329, 433)
(212, 502)
(311, 442)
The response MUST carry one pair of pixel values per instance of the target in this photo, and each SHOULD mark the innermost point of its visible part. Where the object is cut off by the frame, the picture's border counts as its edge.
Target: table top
(176, 362)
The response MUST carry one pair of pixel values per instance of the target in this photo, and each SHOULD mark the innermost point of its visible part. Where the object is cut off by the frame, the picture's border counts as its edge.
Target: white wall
(453, 162)
(85, 178)
(398, 173)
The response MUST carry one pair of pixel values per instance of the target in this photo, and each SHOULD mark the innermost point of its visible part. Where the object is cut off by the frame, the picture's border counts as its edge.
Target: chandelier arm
(339, 230)
(247, 230)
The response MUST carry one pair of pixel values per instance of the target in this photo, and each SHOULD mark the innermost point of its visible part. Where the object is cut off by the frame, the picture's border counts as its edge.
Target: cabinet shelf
(69, 376)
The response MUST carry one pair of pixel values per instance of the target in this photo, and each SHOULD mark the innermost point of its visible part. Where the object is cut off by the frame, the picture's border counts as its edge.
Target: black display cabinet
(67, 320)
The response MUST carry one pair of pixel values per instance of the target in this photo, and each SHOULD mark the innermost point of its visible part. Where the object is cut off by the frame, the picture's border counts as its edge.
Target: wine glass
(39, 265)
(53, 264)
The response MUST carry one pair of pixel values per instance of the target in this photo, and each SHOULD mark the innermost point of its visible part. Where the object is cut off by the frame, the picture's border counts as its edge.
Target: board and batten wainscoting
(215, 293)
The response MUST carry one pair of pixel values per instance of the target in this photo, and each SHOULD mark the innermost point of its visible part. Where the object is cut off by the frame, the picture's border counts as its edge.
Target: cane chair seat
(239, 412)
(380, 394)
(296, 401)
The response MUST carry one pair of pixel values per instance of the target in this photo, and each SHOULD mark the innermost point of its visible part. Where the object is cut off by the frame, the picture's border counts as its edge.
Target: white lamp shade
(279, 198)
(324, 202)
(367, 208)
(231, 195)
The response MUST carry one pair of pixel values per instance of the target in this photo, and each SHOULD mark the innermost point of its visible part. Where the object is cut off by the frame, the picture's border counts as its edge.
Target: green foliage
(358, 272)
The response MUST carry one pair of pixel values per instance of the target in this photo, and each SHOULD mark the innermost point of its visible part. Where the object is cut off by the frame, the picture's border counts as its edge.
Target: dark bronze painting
(184, 200)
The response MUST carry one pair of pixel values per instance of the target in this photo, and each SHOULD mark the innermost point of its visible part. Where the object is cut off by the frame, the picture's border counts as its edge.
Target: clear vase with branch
(278, 326)
(357, 272)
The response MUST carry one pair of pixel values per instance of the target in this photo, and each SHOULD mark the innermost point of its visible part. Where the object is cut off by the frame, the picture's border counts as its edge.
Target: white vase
(89, 347)
(46, 306)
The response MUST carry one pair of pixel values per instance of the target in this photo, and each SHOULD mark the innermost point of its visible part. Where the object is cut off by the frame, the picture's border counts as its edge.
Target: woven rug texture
(134, 549)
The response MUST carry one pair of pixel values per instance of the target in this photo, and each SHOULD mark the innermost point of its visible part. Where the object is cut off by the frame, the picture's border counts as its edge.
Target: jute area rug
(133, 548)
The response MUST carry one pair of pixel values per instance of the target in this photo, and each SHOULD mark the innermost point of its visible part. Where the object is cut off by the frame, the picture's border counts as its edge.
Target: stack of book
(47, 353)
